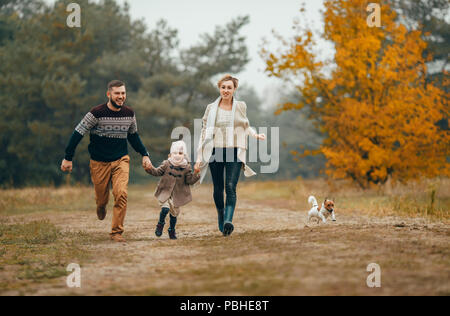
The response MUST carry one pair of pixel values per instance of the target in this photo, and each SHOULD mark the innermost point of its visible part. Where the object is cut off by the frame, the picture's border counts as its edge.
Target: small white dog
(322, 213)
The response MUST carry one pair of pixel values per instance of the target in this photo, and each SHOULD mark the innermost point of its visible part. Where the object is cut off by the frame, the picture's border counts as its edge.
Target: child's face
(177, 156)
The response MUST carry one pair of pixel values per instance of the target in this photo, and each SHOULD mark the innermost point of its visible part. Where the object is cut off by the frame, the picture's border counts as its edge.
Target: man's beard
(114, 104)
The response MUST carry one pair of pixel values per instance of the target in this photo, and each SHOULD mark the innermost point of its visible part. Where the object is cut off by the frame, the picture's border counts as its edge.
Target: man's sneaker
(172, 234)
(159, 230)
(101, 212)
(117, 238)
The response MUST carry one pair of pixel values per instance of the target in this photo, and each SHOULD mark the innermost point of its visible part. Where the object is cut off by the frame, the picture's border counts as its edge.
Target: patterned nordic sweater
(109, 131)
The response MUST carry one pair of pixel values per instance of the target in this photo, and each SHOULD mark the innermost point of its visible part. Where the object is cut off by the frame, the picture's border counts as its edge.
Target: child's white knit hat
(178, 146)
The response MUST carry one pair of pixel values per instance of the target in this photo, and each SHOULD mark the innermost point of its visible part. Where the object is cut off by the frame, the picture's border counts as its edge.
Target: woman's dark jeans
(225, 160)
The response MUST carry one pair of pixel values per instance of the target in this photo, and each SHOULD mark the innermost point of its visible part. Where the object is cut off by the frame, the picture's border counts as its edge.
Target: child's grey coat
(174, 183)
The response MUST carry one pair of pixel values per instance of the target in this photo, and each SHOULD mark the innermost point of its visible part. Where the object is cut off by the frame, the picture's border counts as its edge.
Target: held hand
(66, 166)
(146, 163)
(261, 136)
(197, 167)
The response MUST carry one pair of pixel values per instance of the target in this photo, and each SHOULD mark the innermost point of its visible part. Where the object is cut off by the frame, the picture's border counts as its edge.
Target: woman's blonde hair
(229, 78)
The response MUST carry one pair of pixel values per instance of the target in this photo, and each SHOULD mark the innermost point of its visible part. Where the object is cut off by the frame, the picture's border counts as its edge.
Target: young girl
(173, 189)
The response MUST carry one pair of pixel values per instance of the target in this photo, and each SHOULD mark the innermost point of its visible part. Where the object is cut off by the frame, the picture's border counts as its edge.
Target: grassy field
(272, 252)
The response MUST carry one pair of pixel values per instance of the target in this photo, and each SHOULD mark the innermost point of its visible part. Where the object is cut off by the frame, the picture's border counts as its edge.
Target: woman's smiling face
(227, 90)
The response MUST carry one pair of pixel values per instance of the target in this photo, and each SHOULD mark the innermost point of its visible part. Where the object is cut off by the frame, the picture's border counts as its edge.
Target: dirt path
(272, 252)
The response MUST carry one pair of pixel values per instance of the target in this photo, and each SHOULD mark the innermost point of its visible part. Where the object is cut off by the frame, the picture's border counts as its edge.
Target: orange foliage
(375, 107)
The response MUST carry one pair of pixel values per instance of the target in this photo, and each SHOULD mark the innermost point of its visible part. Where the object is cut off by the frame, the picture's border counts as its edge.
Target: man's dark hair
(115, 83)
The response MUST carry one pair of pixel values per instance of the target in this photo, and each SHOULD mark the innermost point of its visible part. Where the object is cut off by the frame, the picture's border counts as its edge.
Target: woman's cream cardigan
(241, 130)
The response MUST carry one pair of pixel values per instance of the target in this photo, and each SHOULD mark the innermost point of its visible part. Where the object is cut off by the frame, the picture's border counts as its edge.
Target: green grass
(34, 233)
(37, 252)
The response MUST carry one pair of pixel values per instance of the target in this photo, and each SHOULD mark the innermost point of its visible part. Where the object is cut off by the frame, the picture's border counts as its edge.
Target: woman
(223, 146)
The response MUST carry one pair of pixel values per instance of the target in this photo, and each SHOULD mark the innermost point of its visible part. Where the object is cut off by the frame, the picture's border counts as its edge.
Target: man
(110, 125)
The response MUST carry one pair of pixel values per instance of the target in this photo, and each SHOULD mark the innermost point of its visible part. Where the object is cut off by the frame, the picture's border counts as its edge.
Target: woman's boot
(228, 219)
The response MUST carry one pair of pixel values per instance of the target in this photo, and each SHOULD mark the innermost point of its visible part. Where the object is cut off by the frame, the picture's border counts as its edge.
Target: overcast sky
(192, 18)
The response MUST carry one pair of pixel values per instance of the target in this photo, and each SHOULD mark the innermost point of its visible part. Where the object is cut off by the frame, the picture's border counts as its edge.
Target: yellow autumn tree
(371, 99)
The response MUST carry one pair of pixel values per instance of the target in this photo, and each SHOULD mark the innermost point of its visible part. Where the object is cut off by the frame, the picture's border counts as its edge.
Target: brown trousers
(117, 173)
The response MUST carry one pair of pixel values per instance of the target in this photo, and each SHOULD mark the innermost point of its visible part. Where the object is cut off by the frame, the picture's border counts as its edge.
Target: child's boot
(162, 221)
(173, 222)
